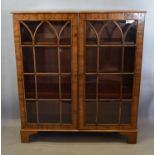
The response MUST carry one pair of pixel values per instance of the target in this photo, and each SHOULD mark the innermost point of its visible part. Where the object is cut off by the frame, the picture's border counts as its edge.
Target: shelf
(109, 99)
(47, 74)
(54, 43)
(93, 41)
(44, 45)
(110, 45)
(122, 73)
(45, 99)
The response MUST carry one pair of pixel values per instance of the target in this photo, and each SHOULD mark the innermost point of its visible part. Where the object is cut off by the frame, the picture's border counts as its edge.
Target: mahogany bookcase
(79, 71)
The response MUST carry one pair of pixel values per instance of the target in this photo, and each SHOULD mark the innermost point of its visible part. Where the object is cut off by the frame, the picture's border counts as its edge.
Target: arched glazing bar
(63, 27)
(35, 31)
(26, 37)
(115, 31)
(91, 37)
(66, 34)
(50, 37)
(121, 32)
(111, 33)
(34, 36)
(131, 30)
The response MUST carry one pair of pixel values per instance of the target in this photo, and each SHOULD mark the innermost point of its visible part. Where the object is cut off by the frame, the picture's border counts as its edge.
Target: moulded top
(95, 11)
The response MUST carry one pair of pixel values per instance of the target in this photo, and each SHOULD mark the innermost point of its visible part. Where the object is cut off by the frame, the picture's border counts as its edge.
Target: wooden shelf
(111, 45)
(50, 42)
(109, 73)
(110, 99)
(47, 99)
(108, 43)
(37, 73)
(44, 45)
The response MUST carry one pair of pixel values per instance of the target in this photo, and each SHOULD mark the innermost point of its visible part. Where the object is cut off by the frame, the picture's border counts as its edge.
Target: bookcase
(79, 71)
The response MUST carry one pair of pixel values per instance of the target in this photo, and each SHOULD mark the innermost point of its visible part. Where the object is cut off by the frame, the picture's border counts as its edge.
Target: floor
(76, 144)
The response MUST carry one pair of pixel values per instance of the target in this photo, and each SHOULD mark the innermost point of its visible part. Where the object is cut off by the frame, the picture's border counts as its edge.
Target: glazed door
(107, 68)
(48, 49)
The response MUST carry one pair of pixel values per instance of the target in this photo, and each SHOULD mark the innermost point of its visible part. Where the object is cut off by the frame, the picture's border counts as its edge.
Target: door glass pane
(49, 111)
(65, 60)
(90, 88)
(130, 37)
(126, 112)
(91, 59)
(26, 37)
(29, 85)
(66, 87)
(97, 25)
(46, 34)
(31, 111)
(109, 86)
(48, 86)
(110, 59)
(63, 30)
(127, 86)
(109, 37)
(110, 33)
(46, 59)
(32, 25)
(90, 112)
(90, 34)
(66, 112)
(65, 37)
(58, 25)
(28, 64)
(129, 59)
(108, 112)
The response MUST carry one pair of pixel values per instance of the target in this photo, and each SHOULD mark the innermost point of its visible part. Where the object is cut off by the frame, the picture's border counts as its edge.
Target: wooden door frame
(17, 17)
(139, 16)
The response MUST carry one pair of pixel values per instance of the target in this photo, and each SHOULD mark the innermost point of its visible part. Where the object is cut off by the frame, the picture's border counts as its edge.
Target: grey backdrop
(9, 79)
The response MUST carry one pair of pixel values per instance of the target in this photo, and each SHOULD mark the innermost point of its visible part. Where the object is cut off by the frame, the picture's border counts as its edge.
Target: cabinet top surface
(99, 11)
